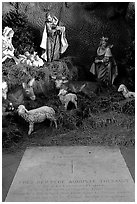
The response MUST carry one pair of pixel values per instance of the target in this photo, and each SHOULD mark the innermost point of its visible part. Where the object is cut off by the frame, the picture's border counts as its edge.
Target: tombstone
(72, 174)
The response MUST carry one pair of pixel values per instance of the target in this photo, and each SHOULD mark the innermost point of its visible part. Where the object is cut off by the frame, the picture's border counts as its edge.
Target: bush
(23, 39)
(126, 68)
(15, 75)
(63, 67)
(130, 64)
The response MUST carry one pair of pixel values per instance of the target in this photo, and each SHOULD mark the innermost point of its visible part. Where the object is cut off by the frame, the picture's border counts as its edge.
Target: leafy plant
(129, 63)
(23, 39)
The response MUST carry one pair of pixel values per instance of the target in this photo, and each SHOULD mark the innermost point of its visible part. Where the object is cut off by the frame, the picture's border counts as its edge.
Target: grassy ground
(106, 119)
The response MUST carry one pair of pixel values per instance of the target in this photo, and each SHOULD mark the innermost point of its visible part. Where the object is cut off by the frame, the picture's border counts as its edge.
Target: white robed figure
(7, 47)
(54, 41)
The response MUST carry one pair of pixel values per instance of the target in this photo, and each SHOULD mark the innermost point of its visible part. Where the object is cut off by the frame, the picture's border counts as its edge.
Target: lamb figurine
(66, 98)
(36, 115)
(126, 93)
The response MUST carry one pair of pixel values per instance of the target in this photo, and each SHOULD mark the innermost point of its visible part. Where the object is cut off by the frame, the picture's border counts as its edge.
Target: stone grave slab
(72, 174)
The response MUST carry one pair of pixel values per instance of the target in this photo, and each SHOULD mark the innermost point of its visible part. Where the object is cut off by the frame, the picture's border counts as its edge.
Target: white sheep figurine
(37, 115)
(66, 98)
(126, 93)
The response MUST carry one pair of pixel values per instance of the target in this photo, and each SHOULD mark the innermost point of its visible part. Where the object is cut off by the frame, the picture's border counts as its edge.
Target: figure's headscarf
(52, 19)
(55, 20)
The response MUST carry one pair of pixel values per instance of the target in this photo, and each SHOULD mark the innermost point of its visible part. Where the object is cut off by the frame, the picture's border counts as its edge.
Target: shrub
(63, 67)
(23, 39)
(130, 64)
(16, 74)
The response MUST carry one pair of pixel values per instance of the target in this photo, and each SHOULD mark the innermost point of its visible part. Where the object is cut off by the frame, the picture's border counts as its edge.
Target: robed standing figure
(104, 67)
(54, 42)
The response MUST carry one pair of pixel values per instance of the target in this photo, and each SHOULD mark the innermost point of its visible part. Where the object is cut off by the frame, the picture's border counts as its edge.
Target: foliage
(130, 17)
(23, 39)
(11, 135)
(63, 68)
(127, 67)
(129, 107)
(129, 63)
(15, 75)
(130, 55)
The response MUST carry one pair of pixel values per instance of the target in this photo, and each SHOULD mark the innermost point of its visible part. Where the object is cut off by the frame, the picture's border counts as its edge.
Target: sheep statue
(126, 93)
(36, 115)
(66, 98)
